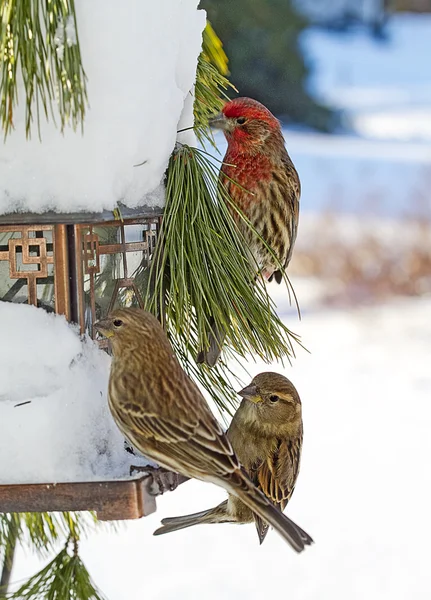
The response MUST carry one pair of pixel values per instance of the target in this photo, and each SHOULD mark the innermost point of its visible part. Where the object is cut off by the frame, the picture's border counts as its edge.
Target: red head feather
(251, 109)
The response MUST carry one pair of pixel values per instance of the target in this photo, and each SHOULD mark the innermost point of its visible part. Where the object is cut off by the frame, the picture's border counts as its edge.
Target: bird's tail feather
(212, 515)
(259, 504)
(216, 339)
(262, 528)
(307, 539)
(278, 276)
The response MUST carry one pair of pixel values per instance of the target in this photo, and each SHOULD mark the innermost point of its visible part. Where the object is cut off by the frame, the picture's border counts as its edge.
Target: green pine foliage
(52, 71)
(65, 577)
(202, 268)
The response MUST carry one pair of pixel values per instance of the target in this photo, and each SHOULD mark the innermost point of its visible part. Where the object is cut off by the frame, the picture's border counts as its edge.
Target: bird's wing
(292, 193)
(276, 477)
(180, 443)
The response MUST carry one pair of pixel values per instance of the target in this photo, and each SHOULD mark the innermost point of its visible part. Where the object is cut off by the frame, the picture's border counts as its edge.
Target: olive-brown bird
(266, 435)
(164, 415)
(261, 180)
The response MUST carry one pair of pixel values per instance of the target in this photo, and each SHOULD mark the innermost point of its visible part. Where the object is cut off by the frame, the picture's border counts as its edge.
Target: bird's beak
(250, 393)
(104, 327)
(220, 122)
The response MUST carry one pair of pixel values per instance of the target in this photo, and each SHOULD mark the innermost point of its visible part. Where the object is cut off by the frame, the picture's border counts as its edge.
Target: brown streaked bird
(266, 435)
(268, 192)
(164, 415)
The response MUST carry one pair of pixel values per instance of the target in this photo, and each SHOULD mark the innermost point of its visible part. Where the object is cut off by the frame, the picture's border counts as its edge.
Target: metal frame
(88, 251)
(76, 251)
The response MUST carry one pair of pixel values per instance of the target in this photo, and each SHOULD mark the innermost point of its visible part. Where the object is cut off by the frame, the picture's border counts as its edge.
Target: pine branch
(41, 530)
(75, 525)
(64, 578)
(212, 47)
(39, 41)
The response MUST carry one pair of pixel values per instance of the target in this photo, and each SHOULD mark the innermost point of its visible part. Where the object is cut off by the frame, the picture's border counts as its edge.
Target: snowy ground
(363, 490)
(362, 493)
(365, 481)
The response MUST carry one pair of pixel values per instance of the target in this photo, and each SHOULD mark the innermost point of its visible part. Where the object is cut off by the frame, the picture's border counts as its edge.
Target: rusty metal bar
(112, 500)
(61, 272)
(18, 226)
(32, 290)
(72, 269)
(80, 277)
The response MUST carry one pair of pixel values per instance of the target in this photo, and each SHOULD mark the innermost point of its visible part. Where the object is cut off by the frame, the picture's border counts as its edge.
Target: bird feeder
(81, 260)
(80, 266)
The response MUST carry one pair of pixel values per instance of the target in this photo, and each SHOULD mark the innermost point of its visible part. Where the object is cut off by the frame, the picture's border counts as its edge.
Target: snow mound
(55, 423)
(140, 59)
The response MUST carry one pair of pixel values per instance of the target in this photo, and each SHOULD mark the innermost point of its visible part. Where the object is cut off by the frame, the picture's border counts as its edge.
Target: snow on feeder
(63, 248)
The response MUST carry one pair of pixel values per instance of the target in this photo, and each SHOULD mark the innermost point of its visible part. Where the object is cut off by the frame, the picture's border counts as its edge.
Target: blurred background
(351, 82)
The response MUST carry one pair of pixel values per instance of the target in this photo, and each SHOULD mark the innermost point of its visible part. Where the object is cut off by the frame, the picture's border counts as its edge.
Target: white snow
(55, 422)
(140, 59)
(347, 231)
(65, 33)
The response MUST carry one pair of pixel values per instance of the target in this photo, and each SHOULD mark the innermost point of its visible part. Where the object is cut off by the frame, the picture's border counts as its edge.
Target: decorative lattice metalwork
(27, 273)
(82, 271)
(113, 265)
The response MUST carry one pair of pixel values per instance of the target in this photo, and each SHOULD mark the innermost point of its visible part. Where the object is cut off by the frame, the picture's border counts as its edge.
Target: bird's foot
(162, 480)
(141, 469)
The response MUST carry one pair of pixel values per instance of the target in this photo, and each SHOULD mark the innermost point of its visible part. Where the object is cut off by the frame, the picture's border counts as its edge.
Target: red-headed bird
(263, 183)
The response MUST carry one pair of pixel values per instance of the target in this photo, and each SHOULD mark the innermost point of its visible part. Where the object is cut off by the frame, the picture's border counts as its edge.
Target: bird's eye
(241, 120)
(274, 398)
(118, 323)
